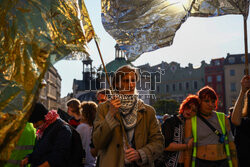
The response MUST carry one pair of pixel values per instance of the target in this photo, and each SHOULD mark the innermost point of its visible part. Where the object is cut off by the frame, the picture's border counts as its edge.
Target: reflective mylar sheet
(33, 35)
(141, 26)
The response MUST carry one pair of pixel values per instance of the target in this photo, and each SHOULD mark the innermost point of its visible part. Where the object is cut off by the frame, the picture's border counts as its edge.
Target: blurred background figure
(102, 95)
(165, 116)
(24, 146)
(74, 111)
(241, 119)
(88, 112)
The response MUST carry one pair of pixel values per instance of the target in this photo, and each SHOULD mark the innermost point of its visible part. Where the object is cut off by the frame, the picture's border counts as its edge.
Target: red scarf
(51, 117)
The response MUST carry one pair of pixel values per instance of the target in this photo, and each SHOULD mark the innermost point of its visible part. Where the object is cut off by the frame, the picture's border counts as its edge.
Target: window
(219, 88)
(232, 72)
(167, 88)
(158, 88)
(209, 79)
(243, 59)
(218, 78)
(195, 85)
(173, 87)
(231, 60)
(233, 87)
(180, 86)
(217, 62)
(187, 85)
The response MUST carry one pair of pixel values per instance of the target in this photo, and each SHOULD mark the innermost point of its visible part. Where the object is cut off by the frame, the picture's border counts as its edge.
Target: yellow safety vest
(221, 119)
(24, 146)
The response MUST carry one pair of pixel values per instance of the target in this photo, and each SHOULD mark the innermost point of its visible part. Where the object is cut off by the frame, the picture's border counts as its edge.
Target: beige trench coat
(107, 138)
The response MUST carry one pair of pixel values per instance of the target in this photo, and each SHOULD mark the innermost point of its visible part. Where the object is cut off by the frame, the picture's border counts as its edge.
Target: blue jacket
(54, 146)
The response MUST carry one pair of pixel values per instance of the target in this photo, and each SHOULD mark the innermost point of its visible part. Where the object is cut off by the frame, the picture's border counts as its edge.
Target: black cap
(38, 113)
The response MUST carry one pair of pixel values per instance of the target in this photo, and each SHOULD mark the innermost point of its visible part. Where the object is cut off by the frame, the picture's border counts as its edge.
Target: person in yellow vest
(213, 140)
(24, 146)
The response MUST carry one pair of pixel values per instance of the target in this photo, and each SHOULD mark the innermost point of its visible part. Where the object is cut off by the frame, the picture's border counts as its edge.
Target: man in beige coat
(126, 131)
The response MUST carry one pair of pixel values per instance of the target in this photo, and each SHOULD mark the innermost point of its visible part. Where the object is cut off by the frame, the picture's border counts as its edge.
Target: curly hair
(189, 100)
(209, 92)
(89, 111)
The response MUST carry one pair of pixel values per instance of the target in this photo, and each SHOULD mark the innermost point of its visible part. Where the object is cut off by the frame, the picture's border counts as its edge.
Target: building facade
(234, 67)
(85, 89)
(170, 81)
(214, 77)
(50, 93)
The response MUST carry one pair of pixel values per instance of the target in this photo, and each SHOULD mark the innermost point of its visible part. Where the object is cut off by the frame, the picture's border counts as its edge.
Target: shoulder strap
(194, 132)
(209, 125)
(221, 119)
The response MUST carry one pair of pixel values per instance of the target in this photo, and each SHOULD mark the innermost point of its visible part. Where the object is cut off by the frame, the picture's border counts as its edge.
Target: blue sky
(198, 39)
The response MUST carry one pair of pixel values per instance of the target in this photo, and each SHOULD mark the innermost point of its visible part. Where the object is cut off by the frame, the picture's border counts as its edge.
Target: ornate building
(51, 92)
(85, 89)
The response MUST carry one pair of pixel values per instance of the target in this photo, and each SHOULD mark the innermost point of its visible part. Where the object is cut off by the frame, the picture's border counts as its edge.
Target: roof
(89, 96)
(117, 63)
(236, 59)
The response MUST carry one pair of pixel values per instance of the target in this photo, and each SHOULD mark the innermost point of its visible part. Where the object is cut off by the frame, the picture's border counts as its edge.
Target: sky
(197, 39)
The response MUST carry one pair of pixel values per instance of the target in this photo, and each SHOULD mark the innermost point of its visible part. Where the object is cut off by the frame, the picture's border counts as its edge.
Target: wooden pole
(106, 73)
(246, 45)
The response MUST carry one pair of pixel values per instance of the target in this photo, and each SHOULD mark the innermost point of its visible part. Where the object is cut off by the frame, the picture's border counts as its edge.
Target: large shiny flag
(141, 26)
(34, 35)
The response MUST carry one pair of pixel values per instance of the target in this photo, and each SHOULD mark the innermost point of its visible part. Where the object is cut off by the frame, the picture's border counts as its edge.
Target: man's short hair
(104, 92)
(121, 72)
(75, 105)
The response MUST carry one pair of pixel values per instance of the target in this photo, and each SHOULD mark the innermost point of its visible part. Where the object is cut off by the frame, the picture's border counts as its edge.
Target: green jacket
(24, 146)
(107, 136)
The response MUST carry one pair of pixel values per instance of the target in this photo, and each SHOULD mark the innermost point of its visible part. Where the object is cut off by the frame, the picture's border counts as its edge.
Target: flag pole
(106, 73)
(246, 45)
(111, 88)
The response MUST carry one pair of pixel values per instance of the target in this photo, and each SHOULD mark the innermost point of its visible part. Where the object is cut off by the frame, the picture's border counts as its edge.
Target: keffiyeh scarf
(51, 117)
(128, 110)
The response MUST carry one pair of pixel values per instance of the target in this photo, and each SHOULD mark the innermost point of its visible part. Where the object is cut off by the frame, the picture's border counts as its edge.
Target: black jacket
(54, 146)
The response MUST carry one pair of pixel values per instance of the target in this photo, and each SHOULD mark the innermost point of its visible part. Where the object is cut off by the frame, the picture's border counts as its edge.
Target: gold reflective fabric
(140, 26)
(34, 35)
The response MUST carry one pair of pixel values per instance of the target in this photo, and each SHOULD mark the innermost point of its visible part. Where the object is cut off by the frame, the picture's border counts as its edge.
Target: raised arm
(237, 112)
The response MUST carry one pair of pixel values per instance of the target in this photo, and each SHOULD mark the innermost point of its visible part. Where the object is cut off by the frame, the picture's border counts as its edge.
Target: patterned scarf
(51, 117)
(128, 110)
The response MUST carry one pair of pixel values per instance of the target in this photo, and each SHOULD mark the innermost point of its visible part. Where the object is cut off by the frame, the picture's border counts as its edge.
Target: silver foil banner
(141, 26)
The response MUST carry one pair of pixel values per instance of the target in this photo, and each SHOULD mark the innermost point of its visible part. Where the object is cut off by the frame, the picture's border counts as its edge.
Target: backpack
(77, 153)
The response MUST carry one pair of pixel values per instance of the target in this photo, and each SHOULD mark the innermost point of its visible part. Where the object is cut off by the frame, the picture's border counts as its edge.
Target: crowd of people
(123, 131)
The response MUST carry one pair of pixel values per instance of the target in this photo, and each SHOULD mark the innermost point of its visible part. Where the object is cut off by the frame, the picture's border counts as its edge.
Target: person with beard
(241, 120)
(173, 131)
(126, 131)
